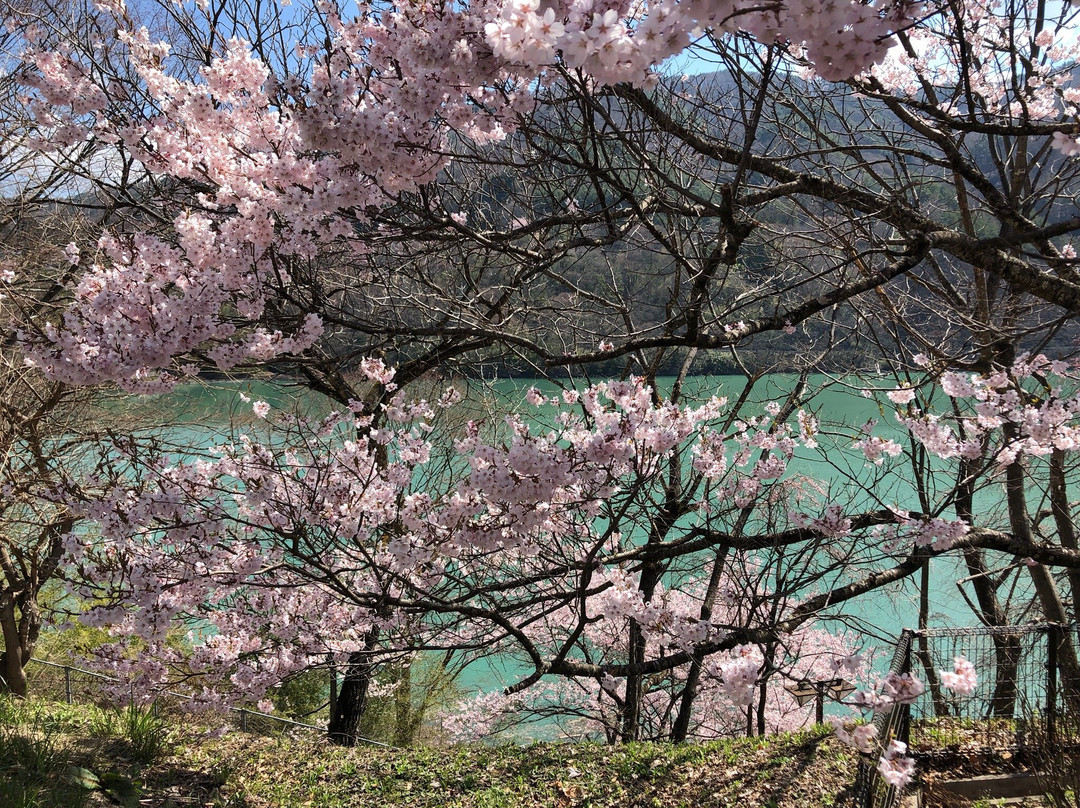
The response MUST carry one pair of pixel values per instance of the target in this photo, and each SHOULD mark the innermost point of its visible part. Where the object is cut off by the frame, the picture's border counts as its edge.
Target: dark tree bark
(681, 728)
(344, 727)
(1045, 587)
(352, 697)
(941, 707)
(12, 661)
(20, 615)
(1066, 530)
(630, 729)
(1006, 646)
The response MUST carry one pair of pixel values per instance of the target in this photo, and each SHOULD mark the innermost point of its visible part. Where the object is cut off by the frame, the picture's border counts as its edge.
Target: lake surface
(842, 407)
(204, 414)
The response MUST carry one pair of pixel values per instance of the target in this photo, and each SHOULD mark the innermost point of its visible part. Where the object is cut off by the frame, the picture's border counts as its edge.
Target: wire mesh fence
(1028, 699)
(871, 790)
(56, 682)
(1028, 694)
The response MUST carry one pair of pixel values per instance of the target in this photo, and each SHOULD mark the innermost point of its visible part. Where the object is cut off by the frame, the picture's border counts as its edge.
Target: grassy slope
(244, 771)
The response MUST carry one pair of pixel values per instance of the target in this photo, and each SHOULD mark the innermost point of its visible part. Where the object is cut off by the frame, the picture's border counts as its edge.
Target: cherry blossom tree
(537, 543)
(348, 133)
(990, 115)
(952, 149)
(425, 181)
(298, 554)
(41, 437)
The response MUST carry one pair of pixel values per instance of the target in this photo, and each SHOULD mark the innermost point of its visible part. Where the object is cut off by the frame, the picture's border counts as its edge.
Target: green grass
(57, 755)
(805, 769)
(145, 732)
(88, 750)
(34, 759)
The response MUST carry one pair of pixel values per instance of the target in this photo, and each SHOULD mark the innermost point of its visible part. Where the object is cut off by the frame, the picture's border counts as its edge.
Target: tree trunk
(1045, 587)
(12, 674)
(631, 711)
(766, 670)
(12, 658)
(344, 726)
(1066, 530)
(20, 615)
(630, 729)
(352, 697)
(681, 728)
(1050, 598)
(941, 707)
(1006, 646)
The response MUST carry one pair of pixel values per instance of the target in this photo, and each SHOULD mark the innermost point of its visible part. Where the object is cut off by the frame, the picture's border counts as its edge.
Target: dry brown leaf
(566, 795)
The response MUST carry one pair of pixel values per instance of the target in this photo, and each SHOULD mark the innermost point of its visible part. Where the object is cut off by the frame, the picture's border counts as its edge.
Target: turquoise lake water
(200, 414)
(842, 409)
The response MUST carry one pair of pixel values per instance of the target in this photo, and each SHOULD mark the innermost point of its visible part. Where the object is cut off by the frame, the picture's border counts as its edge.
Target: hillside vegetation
(59, 755)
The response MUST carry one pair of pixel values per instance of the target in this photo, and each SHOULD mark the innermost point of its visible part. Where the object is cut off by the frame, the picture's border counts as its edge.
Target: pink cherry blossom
(901, 396)
(896, 768)
(962, 679)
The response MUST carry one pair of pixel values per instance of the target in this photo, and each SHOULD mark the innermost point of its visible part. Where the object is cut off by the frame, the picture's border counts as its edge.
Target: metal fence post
(333, 688)
(67, 683)
(243, 720)
(903, 731)
(1053, 642)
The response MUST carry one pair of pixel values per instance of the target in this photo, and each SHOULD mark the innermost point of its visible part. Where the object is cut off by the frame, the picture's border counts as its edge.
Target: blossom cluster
(962, 679)
(1042, 415)
(619, 41)
(307, 528)
(894, 764)
(1036, 88)
(285, 164)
